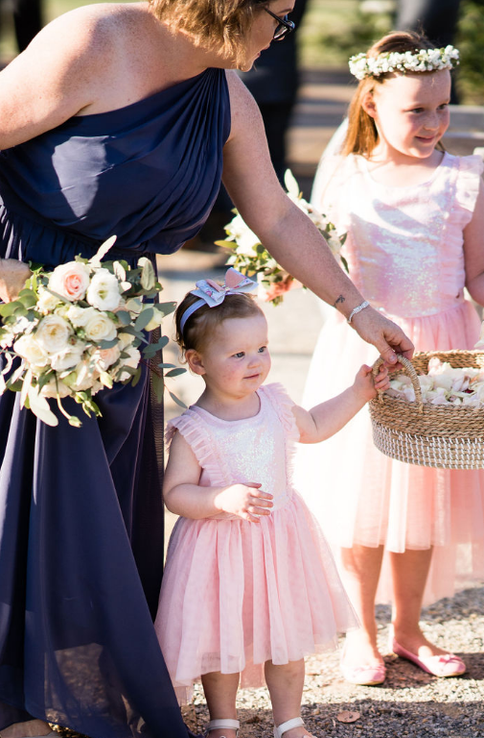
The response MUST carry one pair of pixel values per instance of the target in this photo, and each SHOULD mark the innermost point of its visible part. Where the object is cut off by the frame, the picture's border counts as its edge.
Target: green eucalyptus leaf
(144, 318)
(175, 372)
(177, 400)
(136, 377)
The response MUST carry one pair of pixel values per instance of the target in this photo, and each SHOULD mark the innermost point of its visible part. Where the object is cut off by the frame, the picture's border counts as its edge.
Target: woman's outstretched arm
(287, 232)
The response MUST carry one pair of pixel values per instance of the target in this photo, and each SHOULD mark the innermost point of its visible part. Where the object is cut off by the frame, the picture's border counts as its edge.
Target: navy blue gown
(81, 532)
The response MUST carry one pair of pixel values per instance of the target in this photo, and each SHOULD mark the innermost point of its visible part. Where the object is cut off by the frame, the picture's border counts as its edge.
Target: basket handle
(409, 370)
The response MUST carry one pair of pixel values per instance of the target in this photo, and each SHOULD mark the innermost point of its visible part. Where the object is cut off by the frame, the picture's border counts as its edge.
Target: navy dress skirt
(81, 515)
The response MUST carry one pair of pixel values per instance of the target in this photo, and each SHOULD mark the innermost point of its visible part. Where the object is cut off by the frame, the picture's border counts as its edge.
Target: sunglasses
(284, 26)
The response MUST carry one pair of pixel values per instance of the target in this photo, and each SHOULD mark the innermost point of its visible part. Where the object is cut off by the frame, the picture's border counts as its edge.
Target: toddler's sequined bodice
(405, 244)
(257, 449)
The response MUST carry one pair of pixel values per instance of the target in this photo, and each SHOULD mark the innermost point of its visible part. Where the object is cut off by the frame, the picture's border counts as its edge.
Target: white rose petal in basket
(437, 419)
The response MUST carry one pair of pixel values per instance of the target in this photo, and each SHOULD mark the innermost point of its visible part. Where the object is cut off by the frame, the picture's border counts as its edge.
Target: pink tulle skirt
(360, 496)
(236, 594)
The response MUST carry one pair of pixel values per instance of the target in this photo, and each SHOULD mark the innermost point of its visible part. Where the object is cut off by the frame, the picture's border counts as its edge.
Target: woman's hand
(13, 275)
(388, 338)
(247, 501)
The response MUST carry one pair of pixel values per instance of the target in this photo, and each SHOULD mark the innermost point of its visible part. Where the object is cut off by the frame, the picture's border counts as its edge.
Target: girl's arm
(474, 250)
(326, 419)
(286, 231)
(184, 495)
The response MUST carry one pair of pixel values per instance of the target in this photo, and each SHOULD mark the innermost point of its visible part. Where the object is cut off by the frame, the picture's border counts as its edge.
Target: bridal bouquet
(443, 385)
(250, 257)
(79, 329)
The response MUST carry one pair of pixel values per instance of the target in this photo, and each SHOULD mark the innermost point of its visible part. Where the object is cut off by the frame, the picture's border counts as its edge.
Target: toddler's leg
(220, 693)
(285, 683)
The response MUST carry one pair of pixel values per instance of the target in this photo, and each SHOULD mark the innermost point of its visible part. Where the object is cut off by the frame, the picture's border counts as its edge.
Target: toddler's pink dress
(405, 254)
(236, 594)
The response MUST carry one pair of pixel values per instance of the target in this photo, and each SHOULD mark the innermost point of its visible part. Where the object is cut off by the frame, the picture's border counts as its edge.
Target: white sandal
(289, 725)
(223, 723)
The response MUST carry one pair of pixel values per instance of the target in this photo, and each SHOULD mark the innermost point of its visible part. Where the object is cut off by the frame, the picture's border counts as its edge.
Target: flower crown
(420, 60)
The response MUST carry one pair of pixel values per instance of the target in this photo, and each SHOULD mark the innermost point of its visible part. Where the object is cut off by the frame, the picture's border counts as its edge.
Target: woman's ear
(195, 361)
(368, 104)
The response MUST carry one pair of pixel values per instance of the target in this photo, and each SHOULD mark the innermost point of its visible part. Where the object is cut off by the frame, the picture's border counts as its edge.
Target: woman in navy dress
(118, 119)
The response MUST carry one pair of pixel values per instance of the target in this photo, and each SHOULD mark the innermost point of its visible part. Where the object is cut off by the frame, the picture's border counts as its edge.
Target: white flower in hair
(420, 60)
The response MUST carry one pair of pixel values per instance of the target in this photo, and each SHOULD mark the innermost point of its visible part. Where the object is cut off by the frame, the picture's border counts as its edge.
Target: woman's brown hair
(216, 24)
(362, 135)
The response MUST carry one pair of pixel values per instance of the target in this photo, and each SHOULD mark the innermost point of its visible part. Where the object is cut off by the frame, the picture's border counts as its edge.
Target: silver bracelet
(357, 310)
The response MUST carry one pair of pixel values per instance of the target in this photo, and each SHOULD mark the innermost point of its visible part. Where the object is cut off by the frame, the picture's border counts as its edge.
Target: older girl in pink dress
(415, 222)
(250, 586)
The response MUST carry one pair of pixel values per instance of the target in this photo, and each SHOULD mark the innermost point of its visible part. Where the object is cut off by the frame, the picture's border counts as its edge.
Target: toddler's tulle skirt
(360, 496)
(236, 594)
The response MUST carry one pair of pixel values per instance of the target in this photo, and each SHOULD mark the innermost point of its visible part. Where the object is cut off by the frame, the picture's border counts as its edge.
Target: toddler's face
(411, 113)
(236, 360)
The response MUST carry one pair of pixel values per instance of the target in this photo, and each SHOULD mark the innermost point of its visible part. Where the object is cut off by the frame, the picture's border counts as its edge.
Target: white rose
(103, 292)
(70, 280)
(53, 333)
(132, 361)
(104, 358)
(46, 302)
(79, 316)
(100, 328)
(68, 358)
(30, 350)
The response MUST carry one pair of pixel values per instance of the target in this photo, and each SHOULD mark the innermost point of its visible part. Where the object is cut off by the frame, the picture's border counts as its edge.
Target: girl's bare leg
(285, 683)
(221, 693)
(410, 570)
(360, 573)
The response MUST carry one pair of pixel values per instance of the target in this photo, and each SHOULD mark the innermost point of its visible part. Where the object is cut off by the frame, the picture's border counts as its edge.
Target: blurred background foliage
(332, 31)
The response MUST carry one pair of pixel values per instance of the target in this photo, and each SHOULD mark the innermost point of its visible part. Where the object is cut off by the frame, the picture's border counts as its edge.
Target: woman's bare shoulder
(100, 28)
(79, 63)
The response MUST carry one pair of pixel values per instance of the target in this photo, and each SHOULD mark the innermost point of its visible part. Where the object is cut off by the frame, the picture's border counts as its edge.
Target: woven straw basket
(441, 436)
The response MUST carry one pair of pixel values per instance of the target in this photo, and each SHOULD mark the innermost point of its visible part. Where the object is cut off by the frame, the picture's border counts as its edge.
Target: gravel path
(411, 703)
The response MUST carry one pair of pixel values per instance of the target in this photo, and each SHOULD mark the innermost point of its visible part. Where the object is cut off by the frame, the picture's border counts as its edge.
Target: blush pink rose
(70, 280)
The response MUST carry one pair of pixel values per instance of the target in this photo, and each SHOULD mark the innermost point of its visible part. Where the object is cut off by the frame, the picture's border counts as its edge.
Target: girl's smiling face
(236, 360)
(411, 113)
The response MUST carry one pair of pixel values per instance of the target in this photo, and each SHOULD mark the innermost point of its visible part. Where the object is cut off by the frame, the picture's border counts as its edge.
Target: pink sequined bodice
(405, 244)
(257, 449)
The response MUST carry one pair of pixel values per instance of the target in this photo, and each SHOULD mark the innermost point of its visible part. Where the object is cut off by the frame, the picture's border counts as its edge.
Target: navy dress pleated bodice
(81, 534)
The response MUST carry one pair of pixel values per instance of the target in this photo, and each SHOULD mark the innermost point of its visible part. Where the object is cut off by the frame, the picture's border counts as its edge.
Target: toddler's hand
(368, 385)
(247, 501)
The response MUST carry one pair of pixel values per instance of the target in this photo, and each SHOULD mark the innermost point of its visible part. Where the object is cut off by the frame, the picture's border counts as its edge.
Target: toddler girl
(250, 586)
(414, 216)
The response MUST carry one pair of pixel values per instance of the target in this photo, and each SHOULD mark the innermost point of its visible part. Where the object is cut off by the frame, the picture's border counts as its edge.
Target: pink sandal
(366, 675)
(445, 665)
